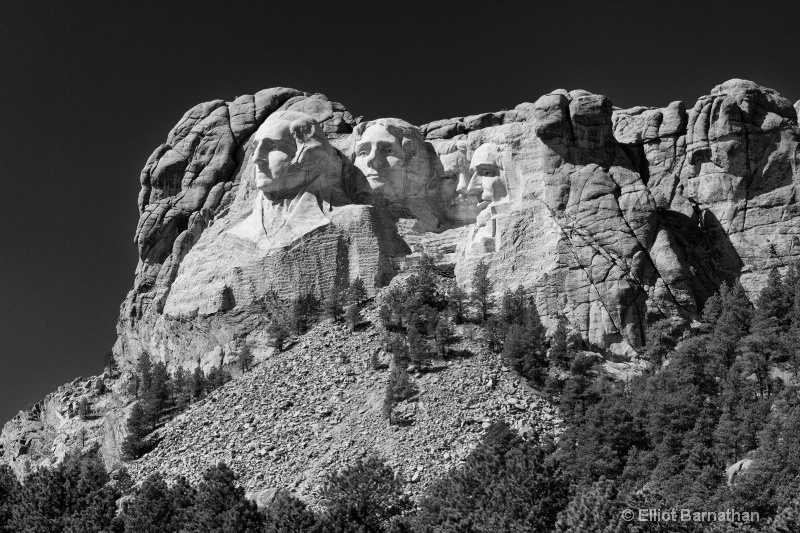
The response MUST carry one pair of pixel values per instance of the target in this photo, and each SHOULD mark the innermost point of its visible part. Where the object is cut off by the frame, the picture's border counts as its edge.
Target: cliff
(611, 217)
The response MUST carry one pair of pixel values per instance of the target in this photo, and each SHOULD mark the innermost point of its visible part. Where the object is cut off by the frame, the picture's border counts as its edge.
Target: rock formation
(611, 217)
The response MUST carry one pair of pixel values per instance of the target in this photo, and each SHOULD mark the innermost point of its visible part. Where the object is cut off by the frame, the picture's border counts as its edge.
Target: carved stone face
(290, 152)
(379, 154)
(487, 179)
(460, 205)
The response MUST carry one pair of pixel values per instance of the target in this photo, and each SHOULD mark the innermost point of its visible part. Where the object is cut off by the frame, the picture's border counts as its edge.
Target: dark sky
(89, 89)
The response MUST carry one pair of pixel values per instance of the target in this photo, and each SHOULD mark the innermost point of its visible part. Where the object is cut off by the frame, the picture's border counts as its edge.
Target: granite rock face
(611, 217)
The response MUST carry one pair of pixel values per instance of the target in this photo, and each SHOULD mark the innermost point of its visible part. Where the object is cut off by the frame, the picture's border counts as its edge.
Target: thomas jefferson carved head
(488, 176)
(392, 155)
(291, 152)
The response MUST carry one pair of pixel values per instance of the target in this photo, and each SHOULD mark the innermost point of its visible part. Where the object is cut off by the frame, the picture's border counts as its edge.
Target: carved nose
(463, 184)
(372, 160)
(474, 186)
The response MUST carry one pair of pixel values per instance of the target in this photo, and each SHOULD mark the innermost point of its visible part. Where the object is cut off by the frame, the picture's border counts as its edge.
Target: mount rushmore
(611, 217)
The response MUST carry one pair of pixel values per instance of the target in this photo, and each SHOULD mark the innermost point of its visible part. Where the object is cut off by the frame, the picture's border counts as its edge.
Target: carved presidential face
(379, 154)
(290, 152)
(460, 204)
(487, 177)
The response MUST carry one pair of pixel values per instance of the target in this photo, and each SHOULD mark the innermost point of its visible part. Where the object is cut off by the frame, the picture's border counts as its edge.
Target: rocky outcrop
(317, 407)
(45, 433)
(730, 165)
(611, 217)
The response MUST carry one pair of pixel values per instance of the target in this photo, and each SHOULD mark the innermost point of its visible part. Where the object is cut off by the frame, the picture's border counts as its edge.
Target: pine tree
(774, 301)
(364, 497)
(158, 508)
(198, 383)
(504, 485)
(279, 325)
(457, 303)
(594, 509)
(398, 388)
(660, 341)
(525, 345)
(793, 336)
(157, 398)
(221, 506)
(495, 334)
(144, 373)
(444, 336)
(560, 354)
(418, 349)
(482, 291)
(74, 497)
(289, 514)
(9, 491)
(245, 358)
(181, 388)
(395, 299)
(110, 362)
(732, 324)
(353, 316)
(335, 300)
(138, 426)
(304, 312)
(357, 292)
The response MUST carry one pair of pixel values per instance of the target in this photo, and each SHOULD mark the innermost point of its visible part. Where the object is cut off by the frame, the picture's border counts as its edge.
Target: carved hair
(451, 146)
(491, 152)
(410, 138)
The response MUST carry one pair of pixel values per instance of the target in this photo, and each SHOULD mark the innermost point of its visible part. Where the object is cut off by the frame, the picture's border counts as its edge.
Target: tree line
(161, 395)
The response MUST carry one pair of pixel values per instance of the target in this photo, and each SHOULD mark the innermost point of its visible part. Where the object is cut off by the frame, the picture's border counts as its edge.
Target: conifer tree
(384, 316)
(525, 345)
(357, 292)
(158, 508)
(495, 334)
(353, 316)
(198, 383)
(660, 341)
(289, 514)
(398, 388)
(84, 410)
(444, 336)
(303, 313)
(138, 426)
(774, 302)
(395, 299)
(144, 373)
(418, 349)
(334, 301)
(457, 303)
(221, 506)
(364, 497)
(9, 491)
(181, 388)
(157, 397)
(279, 325)
(560, 354)
(245, 358)
(111, 363)
(482, 291)
(731, 325)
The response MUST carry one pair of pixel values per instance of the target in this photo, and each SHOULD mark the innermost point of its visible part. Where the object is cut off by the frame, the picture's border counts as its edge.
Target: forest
(714, 393)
